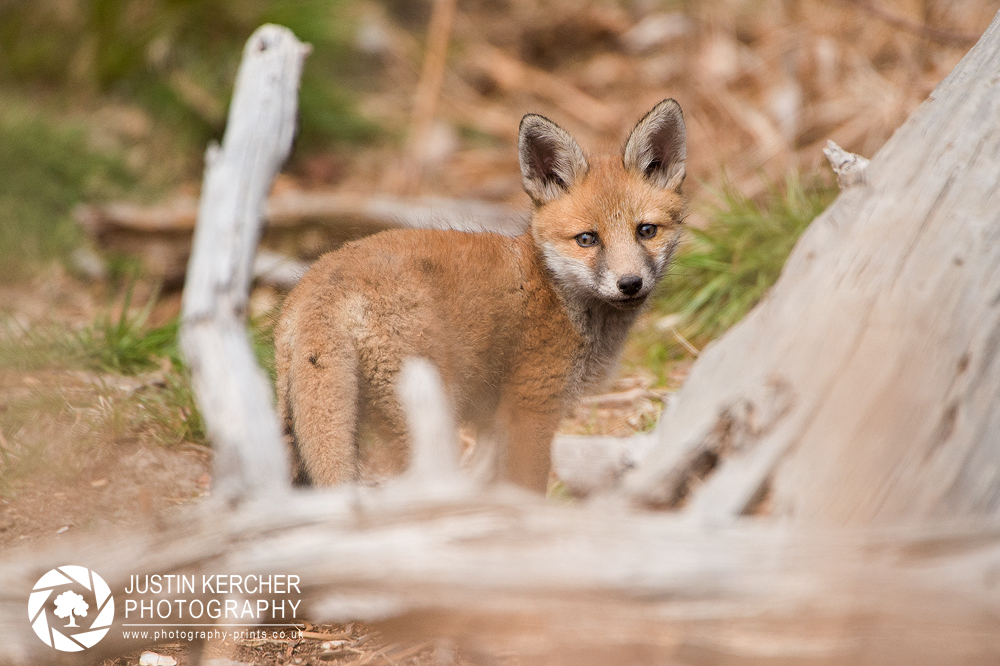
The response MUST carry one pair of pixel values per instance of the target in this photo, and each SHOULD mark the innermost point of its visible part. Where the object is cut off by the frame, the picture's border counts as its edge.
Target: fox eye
(586, 239)
(647, 230)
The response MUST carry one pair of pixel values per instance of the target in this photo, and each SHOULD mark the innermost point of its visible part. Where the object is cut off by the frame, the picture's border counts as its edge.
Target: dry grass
(97, 421)
(79, 449)
(763, 84)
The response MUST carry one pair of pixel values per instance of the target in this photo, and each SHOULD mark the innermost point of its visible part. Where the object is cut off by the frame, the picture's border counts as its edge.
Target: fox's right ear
(657, 146)
(551, 161)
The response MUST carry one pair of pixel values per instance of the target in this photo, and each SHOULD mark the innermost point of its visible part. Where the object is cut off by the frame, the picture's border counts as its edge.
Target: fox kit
(517, 326)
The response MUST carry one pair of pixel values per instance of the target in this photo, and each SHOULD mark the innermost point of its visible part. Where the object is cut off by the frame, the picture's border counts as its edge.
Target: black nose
(630, 284)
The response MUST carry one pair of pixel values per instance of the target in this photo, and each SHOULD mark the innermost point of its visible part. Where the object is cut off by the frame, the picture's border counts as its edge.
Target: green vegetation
(730, 265)
(48, 169)
(178, 58)
(727, 267)
(161, 408)
(161, 72)
(95, 408)
(122, 345)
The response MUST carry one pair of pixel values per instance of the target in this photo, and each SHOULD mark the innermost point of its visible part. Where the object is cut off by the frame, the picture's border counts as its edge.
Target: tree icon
(68, 604)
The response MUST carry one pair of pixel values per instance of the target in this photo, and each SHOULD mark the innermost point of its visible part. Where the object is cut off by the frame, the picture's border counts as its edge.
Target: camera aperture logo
(71, 608)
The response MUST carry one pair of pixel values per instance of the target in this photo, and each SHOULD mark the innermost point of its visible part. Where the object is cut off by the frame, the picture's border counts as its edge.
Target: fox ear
(656, 148)
(551, 161)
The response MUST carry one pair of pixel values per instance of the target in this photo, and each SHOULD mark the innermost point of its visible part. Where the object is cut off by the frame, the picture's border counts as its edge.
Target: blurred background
(106, 108)
(108, 105)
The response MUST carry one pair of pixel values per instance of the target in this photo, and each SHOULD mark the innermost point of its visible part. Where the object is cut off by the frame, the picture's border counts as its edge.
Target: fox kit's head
(606, 226)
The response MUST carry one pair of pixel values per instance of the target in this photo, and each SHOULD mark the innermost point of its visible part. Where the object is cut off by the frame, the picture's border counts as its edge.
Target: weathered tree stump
(863, 389)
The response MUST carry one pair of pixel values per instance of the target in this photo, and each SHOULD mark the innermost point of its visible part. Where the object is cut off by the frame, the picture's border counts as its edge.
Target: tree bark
(865, 388)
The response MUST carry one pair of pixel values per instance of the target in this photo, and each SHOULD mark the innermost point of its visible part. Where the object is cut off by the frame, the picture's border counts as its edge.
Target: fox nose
(630, 284)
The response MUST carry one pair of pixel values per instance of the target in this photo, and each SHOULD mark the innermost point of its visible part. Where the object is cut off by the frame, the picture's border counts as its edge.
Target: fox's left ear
(657, 146)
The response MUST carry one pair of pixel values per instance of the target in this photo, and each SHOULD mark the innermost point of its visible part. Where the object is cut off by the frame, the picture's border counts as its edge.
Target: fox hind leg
(321, 408)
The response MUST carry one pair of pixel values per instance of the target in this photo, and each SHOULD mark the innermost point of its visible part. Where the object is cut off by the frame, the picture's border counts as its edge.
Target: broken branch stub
(233, 393)
(849, 167)
(433, 437)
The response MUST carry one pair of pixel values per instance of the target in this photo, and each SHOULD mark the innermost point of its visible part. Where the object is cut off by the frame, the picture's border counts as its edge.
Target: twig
(361, 661)
(515, 75)
(426, 99)
(687, 345)
(409, 652)
(316, 635)
(622, 398)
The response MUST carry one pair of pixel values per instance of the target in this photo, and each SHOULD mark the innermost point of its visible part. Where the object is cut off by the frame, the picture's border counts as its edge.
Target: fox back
(518, 326)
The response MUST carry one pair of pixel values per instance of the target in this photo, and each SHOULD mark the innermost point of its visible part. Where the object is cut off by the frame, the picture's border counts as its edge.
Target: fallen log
(506, 573)
(862, 389)
(294, 208)
(298, 223)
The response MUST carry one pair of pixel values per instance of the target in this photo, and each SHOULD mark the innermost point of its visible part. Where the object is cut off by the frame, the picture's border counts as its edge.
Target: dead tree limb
(863, 388)
(161, 234)
(233, 393)
(297, 208)
(931, 32)
(425, 100)
(503, 571)
(512, 74)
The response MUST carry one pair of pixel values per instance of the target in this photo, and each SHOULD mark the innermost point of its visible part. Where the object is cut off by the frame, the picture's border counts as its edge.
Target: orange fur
(517, 326)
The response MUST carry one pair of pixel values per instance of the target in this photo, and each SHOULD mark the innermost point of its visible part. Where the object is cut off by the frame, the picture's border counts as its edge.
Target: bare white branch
(232, 391)
(434, 438)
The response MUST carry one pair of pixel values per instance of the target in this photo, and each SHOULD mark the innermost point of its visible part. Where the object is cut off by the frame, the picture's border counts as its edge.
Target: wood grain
(863, 389)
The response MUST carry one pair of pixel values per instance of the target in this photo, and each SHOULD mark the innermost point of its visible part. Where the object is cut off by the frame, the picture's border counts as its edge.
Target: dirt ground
(352, 644)
(86, 451)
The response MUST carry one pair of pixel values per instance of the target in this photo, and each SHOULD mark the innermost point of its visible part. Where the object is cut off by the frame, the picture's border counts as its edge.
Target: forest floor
(87, 450)
(98, 427)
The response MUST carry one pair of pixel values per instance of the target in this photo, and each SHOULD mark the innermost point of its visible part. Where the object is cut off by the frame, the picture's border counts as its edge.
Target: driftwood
(589, 465)
(849, 168)
(890, 548)
(503, 572)
(297, 208)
